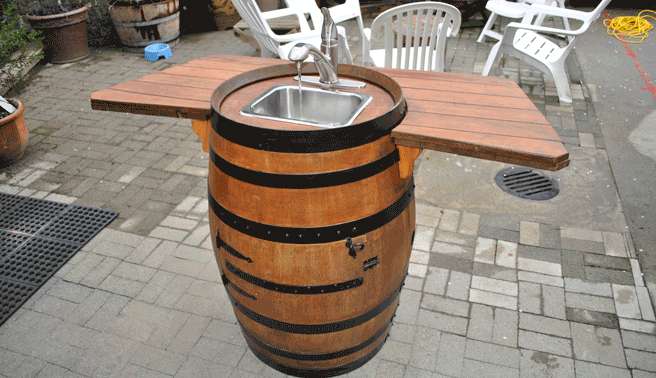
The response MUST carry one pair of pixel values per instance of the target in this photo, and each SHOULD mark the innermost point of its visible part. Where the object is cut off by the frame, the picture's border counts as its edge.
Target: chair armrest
(536, 9)
(284, 38)
(513, 26)
(285, 12)
(278, 13)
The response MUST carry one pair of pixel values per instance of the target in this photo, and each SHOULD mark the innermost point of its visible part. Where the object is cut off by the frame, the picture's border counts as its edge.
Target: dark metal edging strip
(313, 235)
(227, 282)
(320, 180)
(312, 329)
(221, 243)
(317, 357)
(291, 289)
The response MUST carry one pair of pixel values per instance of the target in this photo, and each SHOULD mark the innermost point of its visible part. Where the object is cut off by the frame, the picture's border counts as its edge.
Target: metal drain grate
(37, 237)
(527, 183)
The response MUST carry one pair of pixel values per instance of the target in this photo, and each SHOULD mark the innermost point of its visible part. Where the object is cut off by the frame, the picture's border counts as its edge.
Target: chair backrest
(417, 32)
(305, 6)
(347, 11)
(250, 12)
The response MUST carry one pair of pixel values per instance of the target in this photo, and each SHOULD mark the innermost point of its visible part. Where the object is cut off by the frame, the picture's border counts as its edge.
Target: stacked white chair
(529, 42)
(414, 36)
(514, 10)
(278, 45)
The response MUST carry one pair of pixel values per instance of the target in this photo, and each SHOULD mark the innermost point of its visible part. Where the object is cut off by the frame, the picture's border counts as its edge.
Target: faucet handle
(329, 28)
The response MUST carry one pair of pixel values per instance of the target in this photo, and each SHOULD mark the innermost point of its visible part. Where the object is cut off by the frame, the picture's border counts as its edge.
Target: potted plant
(13, 133)
(63, 24)
(20, 48)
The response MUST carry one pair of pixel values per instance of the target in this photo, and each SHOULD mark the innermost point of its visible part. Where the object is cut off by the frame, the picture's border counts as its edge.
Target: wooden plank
(483, 126)
(543, 154)
(468, 98)
(489, 80)
(166, 91)
(135, 103)
(459, 86)
(478, 111)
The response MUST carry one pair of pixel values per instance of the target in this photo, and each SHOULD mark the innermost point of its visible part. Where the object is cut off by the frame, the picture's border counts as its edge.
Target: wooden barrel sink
(312, 227)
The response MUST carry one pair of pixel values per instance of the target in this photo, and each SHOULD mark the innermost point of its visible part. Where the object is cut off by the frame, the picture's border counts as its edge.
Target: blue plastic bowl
(157, 51)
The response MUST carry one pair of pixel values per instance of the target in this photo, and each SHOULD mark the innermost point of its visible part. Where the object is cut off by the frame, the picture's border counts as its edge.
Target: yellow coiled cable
(631, 29)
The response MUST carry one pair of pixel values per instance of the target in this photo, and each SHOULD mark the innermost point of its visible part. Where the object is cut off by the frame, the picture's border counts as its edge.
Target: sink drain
(527, 183)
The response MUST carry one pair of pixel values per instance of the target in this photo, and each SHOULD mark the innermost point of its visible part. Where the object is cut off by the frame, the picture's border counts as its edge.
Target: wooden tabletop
(484, 117)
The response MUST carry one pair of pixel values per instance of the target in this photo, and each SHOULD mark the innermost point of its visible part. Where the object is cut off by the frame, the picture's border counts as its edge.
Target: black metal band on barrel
(228, 248)
(312, 329)
(227, 282)
(319, 180)
(316, 357)
(297, 372)
(316, 234)
(291, 289)
(294, 141)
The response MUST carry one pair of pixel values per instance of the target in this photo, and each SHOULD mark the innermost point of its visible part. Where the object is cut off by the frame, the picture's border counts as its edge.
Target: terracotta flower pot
(13, 135)
(64, 35)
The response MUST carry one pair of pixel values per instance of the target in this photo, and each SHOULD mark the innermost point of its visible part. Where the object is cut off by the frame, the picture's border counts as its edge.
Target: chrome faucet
(326, 60)
(327, 71)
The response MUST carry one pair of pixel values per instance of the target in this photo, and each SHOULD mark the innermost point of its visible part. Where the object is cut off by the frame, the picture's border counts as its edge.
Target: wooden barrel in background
(312, 228)
(139, 23)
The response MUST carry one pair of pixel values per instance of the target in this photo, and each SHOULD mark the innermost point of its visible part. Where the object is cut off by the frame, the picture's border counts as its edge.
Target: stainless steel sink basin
(311, 106)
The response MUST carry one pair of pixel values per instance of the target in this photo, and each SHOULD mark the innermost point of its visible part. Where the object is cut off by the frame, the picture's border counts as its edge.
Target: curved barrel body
(312, 230)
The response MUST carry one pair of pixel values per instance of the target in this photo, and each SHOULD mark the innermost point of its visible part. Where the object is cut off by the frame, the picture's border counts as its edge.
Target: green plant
(15, 38)
(48, 7)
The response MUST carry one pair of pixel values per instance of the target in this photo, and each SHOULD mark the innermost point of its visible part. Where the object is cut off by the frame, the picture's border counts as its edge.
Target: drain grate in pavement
(527, 183)
(37, 237)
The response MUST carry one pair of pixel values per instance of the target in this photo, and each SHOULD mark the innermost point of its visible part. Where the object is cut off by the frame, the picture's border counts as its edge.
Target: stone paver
(487, 294)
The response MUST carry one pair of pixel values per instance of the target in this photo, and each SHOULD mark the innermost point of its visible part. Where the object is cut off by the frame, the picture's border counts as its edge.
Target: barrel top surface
(233, 104)
(484, 117)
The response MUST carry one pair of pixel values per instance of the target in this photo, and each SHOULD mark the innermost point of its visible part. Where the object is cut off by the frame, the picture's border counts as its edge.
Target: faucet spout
(327, 71)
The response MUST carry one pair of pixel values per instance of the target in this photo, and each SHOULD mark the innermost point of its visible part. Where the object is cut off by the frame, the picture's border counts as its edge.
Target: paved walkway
(497, 286)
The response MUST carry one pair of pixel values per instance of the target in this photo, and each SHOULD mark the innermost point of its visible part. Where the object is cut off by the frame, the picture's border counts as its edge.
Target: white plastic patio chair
(527, 41)
(278, 45)
(340, 13)
(414, 35)
(515, 10)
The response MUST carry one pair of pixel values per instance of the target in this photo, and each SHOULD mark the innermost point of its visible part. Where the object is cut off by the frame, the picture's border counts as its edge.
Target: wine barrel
(139, 23)
(312, 228)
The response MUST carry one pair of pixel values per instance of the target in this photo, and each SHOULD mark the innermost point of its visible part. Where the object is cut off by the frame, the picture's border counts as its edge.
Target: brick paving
(487, 295)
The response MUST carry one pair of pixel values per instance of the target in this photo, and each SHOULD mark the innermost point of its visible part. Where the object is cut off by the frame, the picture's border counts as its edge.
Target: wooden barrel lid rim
(295, 141)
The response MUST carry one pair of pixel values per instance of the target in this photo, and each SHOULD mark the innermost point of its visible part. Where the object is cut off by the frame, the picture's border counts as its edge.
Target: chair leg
(488, 26)
(562, 83)
(491, 59)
